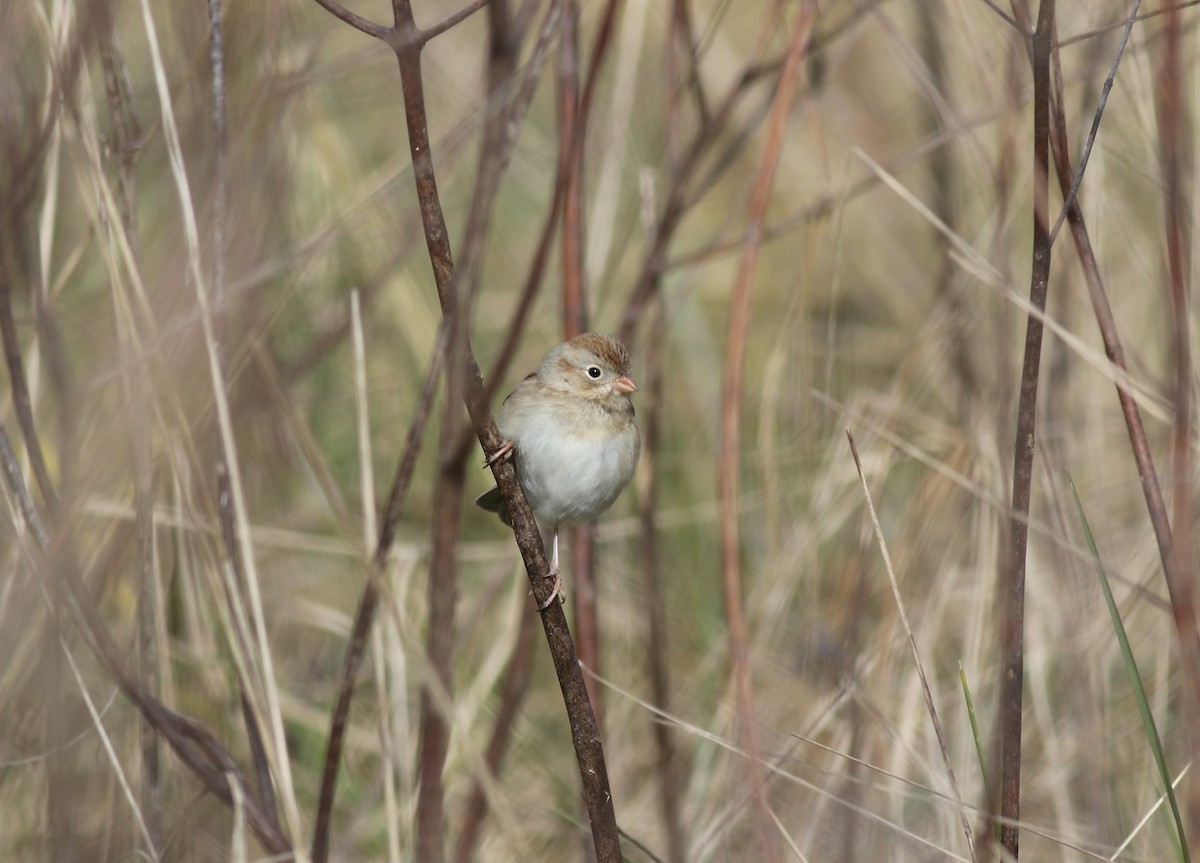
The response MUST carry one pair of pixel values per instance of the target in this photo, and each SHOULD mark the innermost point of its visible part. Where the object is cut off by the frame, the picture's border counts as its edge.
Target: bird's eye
(594, 372)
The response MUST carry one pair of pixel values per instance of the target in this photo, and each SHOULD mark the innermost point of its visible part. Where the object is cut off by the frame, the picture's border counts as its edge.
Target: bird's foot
(500, 454)
(555, 591)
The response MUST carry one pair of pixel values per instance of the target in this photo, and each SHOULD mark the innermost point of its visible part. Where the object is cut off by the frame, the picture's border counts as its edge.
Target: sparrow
(571, 430)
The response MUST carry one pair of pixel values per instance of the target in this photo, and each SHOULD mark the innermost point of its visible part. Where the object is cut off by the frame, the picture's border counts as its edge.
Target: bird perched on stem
(570, 428)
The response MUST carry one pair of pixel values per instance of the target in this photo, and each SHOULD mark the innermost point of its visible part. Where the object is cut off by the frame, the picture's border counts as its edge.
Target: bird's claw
(555, 591)
(504, 451)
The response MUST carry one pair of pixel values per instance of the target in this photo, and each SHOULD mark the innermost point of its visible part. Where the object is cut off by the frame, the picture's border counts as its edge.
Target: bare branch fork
(454, 294)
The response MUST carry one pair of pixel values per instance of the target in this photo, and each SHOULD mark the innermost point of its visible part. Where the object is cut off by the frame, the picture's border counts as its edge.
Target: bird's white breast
(572, 464)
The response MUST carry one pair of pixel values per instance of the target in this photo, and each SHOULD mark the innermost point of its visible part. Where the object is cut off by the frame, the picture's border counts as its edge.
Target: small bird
(570, 426)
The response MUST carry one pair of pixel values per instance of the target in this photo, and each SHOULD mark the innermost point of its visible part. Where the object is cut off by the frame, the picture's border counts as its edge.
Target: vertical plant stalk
(571, 130)
(574, 315)
(220, 312)
(1172, 119)
(574, 111)
(126, 139)
(666, 762)
(1012, 587)
(732, 398)
(574, 318)
(434, 733)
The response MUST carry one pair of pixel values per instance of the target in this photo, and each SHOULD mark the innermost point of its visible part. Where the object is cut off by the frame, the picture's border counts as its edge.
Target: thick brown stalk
(574, 306)
(434, 734)
(1012, 587)
(728, 462)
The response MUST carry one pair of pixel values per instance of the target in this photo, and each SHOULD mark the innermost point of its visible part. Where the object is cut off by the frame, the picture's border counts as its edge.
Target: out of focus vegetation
(865, 315)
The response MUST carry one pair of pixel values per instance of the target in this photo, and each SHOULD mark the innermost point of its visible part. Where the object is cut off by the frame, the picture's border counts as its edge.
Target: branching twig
(679, 197)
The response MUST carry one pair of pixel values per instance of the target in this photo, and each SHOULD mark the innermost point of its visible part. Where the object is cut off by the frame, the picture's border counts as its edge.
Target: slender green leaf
(975, 735)
(1135, 678)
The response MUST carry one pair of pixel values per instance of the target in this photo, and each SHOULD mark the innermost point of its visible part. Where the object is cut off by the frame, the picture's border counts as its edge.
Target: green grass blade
(978, 738)
(1135, 678)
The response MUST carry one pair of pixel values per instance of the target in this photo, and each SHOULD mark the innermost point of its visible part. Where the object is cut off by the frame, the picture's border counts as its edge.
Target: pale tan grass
(110, 751)
(277, 748)
(370, 529)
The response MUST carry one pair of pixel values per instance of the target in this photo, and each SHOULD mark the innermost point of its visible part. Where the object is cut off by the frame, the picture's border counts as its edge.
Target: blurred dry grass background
(864, 316)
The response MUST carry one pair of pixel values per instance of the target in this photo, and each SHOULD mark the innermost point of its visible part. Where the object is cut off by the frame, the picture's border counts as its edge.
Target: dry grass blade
(912, 644)
(278, 754)
(151, 849)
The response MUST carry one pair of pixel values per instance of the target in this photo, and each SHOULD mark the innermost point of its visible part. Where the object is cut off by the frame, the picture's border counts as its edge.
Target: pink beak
(625, 384)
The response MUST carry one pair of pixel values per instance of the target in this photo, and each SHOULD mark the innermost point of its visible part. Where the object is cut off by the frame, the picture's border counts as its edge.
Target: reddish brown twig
(574, 318)
(730, 435)
(574, 111)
